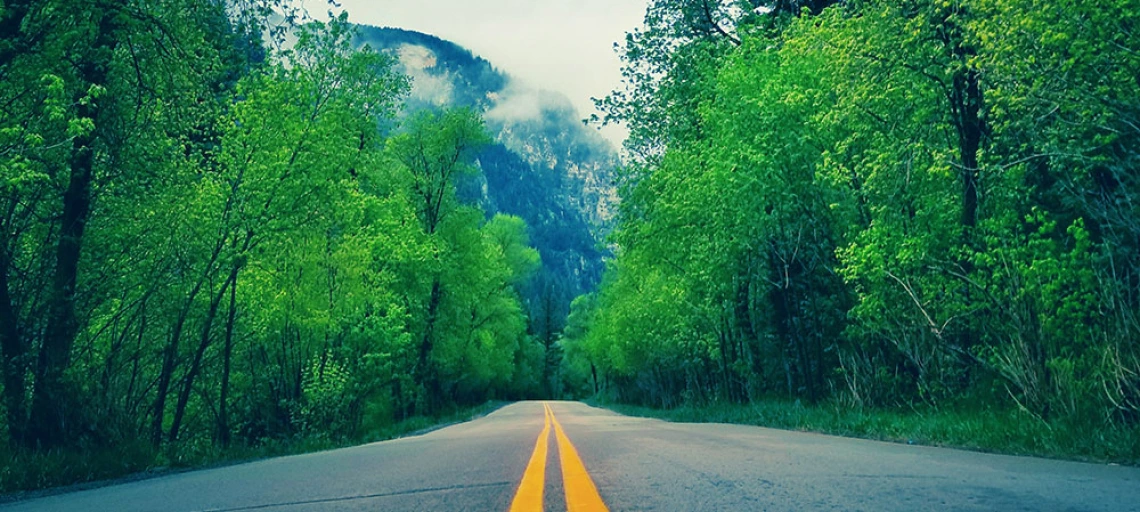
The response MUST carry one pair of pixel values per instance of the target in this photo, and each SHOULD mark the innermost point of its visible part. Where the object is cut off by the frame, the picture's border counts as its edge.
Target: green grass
(1007, 432)
(29, 471)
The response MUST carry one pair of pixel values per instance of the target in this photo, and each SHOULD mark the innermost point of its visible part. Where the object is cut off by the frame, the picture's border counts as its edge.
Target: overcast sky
(559, 45)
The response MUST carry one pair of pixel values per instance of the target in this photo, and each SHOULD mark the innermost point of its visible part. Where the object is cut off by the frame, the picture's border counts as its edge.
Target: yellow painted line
(581, 494)
(529, 496)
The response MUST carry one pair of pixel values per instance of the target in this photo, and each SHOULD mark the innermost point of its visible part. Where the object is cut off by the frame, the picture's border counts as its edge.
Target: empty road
(595, 459)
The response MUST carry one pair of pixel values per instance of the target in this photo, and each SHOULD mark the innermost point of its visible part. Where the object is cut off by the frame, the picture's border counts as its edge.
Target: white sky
(558, 45)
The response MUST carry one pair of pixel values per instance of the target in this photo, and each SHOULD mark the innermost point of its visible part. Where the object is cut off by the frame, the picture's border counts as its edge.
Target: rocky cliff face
(545, 166)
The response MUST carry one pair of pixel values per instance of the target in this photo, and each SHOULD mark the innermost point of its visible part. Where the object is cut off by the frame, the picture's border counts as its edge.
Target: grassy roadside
(1006, 432)
(25, 475)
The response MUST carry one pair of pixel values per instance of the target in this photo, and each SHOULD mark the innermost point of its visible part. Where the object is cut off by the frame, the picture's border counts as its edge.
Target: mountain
(545, 165)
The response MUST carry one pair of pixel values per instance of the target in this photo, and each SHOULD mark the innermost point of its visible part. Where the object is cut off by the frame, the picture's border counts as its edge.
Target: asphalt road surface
(591, 459)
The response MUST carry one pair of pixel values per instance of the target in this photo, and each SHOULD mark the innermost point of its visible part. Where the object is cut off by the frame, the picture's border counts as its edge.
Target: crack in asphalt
(357, 497)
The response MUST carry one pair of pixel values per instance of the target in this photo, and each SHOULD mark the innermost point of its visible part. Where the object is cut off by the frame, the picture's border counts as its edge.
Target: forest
(224, 229)
(216, 239)
(878, 205)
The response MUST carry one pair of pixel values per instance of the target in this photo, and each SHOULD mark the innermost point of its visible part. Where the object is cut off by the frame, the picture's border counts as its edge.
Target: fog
(557, 45)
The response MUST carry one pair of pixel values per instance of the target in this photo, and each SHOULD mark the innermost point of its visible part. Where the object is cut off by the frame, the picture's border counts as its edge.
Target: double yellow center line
(581, 494)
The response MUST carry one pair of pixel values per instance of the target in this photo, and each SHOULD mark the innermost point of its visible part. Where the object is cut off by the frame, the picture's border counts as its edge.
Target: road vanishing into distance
(556, 456)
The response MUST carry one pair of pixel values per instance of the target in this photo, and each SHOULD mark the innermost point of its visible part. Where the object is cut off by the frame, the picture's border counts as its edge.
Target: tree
(100, 64)
(436, 148)
(889, 204)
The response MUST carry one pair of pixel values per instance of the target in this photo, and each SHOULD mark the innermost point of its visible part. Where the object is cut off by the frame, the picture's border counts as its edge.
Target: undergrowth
(25, 471)
(1007, 432)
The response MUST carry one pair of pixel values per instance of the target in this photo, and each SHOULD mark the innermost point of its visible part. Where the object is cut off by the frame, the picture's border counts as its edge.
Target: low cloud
(427, 87)
(518, 103)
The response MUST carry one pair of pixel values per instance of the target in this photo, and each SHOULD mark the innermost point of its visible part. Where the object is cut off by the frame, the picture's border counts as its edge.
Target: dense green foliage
(544, 166)
(879, 203)
(209, 243)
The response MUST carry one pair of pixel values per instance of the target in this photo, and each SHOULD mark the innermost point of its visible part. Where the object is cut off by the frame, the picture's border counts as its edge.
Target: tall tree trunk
(725, 370)
(426, 373)
(169, 356)
(131, 403)
(594, 376)
(746, 334)
(970, 129)
(14, 358)
(967, 109)
(48, 425)
(196, 363)
(786, 331)
(968, 96)
(49, 421)
(227, 358)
